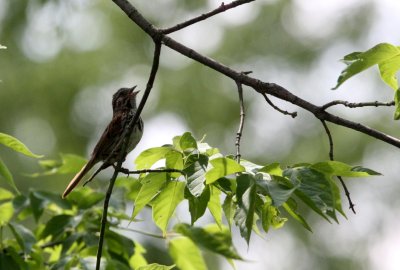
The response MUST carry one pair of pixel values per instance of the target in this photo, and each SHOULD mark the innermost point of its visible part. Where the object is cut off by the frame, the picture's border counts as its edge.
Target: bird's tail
(78, 177)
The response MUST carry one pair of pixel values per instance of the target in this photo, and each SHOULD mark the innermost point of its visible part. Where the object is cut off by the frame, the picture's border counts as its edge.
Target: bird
(124, 109)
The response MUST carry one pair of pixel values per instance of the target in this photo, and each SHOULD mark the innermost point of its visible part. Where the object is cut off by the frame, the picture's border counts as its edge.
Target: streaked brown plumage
(124, 108)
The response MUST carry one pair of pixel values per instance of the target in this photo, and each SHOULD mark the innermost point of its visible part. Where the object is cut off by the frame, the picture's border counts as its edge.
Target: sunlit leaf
(222, 167)
(85, 198)
(151, 186)
(138, 260)
(186, 254)
(69, 163)
(187, 142)
(270, 216)
(336, 168)
(174, 160)
(5, 194)
(165, 203)
(214, 205)
(7, 176)
(387, 56)
(16, 145)
(155, 266)
(195, 173)
(6, 212)
(150, 156)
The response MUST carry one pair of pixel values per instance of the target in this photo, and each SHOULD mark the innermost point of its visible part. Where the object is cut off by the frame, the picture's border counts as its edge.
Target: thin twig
(241, 123)
(331, 157)
(357, 105)
(129, 129)
(222, 8)
(292, 114)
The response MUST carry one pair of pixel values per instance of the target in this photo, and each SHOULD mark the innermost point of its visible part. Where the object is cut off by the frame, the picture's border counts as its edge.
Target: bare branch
(241, 123)
(331, 157)
(222, 8)
(292, 114)
(124, 142)
(259, 86)
(357, 105)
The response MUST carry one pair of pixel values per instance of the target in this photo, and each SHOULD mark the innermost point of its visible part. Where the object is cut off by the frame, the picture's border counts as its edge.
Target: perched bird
(124, 109)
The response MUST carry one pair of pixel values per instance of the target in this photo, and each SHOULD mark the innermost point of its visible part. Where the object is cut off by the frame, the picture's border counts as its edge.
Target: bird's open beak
(134, 93)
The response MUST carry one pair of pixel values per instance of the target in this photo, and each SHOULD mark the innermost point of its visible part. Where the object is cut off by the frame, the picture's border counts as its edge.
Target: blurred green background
(65, 59)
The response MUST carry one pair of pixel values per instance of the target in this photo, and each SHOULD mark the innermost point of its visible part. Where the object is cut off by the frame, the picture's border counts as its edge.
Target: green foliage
(386, 56)
(17, 146)
(255, 199)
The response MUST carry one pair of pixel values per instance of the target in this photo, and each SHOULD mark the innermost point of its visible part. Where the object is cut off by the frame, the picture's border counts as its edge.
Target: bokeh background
(64, 60)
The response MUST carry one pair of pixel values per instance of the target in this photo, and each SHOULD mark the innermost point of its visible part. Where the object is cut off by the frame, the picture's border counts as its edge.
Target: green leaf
(40, 199)
(165, 203)
(150, 156)
(151, 186)
(5, 194)
(155, 266)
(138, 260)
(316, 190)
(229, 209)
(69, 163)
(187, 142)
(212, 237)
(7, 176)
(272, 169)
(246, 197)
(186, 254)
(270, 216)
(196, 173)
(397, 104)
(24, 237)
(174, 160)
(214, 205)
(222, 167)
(291, 206)
(56, 226)
(336, 168)
(16, 145)
(85, 198)
(8, 260)
(278, 187)
(385, 55)
(198, 205)
(6, 212)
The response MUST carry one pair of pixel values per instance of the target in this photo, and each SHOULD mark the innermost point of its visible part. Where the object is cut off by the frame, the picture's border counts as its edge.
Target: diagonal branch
(222, 8)
(124, 143)
(259, 86)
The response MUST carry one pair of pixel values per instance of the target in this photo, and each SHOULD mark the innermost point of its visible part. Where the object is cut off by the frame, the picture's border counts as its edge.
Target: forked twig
(223, 7)
(331, 157)
(357, 105)
(292, 114)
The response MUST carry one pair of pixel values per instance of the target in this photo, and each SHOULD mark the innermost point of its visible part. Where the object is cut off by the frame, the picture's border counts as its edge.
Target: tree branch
(124, 142)
(356, 105)
(241, 123)
(222, 8)
(259, 86)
